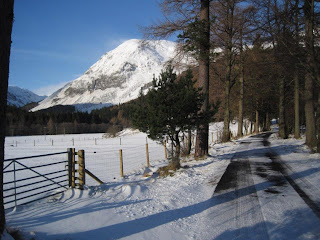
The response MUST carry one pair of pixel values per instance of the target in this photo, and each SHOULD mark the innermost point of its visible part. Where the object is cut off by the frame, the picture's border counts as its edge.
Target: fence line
(102, 162)
(105, 163)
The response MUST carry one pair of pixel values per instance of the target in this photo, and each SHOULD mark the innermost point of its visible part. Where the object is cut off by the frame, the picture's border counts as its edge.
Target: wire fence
(105, 163)
(102, 154)
(25, 182)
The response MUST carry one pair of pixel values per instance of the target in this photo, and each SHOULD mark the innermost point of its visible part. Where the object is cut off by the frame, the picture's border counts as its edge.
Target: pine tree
(171, 107)
(180, 16)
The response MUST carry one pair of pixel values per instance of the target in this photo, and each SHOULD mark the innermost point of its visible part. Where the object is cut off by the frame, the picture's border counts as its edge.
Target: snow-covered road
(254, 188)
(260, 197)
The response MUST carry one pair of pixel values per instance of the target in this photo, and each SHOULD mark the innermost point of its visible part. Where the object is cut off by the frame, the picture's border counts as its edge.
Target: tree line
(66, 120)
(259, 57)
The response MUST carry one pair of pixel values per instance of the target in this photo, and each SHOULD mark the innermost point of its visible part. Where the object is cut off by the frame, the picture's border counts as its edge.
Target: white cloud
(48, 90)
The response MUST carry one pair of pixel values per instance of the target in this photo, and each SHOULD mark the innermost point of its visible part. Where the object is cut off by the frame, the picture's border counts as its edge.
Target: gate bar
(30, 184)
(43, 155)
(35, 195)
(29, 168)
(30, 190)
(41, 175)
(24, 179)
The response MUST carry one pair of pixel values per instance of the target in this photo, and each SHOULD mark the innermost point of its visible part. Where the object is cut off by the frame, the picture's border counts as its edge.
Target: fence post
(71, 153)
(82, 169)
(165, 149)
(73, 168)
(147, 153)
(121, 163)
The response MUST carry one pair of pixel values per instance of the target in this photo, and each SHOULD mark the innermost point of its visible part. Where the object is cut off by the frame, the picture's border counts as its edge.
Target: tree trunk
(256, 127)
(282, 121)
(229, 63)
(318, 123)
(202, 144)
(240, 116)
(176, 157)
(241, 81)
(226, 117)
(296, 105)
(309, 112)
(311, 139)
(251, 127)
(268, 121)
(6, 20)
(189, 142)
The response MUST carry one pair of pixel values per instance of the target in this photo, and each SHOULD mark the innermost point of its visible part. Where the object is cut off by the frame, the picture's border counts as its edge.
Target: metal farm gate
(27, 179)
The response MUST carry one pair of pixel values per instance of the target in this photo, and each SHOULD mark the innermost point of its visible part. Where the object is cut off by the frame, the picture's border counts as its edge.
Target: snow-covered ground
(177, 207)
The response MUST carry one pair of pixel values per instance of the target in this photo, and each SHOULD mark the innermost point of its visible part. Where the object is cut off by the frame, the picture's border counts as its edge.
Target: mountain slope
(20, 97)
(117, 77)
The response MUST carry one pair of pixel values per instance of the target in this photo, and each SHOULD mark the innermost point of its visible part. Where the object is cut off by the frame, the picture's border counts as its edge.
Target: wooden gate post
(71, 167)
(147, 153)
(82, 169)
(121, 163)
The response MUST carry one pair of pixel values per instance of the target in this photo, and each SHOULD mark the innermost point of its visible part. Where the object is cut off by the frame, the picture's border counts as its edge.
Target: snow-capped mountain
(20, 97)
(117, 77)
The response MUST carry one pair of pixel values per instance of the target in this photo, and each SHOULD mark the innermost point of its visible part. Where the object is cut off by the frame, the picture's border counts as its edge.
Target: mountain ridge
(19, 97)
(117, 76)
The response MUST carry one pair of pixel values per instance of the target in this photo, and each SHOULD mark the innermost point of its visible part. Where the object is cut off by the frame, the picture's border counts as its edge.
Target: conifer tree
(171, 107)
(181, 15)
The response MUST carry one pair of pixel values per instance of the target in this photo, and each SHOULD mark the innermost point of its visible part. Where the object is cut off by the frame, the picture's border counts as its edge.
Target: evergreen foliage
(171, 107)
(22, 122)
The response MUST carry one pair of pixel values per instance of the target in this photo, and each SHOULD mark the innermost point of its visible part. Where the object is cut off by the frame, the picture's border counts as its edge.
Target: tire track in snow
(309, 193)
(258, 198)
(236, 192)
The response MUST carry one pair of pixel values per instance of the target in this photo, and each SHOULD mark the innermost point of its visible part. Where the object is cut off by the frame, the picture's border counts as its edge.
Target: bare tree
(202, 145)
(228, 32)
(241, 81)
(297, 40)
(279, 23)
(191, 17)
(310, 77)
(6, 20)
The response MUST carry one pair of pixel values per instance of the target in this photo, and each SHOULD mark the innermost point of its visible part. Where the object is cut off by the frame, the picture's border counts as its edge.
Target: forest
(65, 120)
(259, 57)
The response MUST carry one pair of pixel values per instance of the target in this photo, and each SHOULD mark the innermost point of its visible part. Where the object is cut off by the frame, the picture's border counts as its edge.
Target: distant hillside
(19, 97)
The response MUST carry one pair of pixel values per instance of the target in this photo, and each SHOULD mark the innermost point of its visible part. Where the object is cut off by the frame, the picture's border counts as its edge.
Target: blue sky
(56, 41)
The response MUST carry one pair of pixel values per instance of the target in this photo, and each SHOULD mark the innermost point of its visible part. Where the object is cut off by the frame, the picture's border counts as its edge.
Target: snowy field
(177, 207)
(101, 154)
